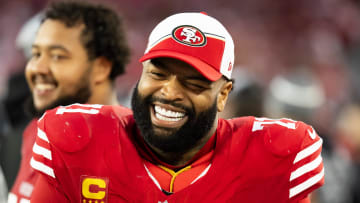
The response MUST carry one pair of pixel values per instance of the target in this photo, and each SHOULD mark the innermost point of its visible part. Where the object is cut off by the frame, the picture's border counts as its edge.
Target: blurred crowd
(294, 59)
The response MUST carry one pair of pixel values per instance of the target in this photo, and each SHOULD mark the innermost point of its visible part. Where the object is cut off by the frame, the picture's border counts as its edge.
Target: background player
(175, 148)
(79, 50)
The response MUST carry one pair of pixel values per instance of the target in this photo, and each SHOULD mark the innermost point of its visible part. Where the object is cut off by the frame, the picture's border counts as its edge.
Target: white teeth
(159, 116)
(44, 87)
(168, 115)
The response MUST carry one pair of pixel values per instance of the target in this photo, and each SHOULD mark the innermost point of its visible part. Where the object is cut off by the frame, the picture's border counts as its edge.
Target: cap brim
(205, 69)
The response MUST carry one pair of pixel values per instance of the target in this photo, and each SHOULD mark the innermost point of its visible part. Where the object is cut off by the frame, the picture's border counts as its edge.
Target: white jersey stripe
(86, 111)
(202, 174)
(23, 200)
(42, 151)
(12, 198)
(98, 106)
(308, 151)
(42, 167)
(306, 168)
(41, 134)
(307, 184)
(152, 178)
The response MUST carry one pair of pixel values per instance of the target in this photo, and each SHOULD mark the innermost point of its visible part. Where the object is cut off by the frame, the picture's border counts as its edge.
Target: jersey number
(83, 108)
(260, 122)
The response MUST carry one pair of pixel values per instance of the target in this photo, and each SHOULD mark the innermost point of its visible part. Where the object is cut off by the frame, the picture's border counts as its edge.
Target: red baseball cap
(197, 39)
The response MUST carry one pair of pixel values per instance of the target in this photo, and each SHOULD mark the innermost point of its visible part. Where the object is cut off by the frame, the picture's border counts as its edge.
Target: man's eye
(157, 75)
(196, 87)
(35, 54)
(57, 57)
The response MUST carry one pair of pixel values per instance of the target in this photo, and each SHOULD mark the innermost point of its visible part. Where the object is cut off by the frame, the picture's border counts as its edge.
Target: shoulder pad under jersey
(121, 110)
(284, 136)
(69, 128)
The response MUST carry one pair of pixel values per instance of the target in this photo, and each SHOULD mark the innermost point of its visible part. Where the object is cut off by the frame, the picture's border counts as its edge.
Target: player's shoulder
(70, 128)
(238, 123)
(285, 136)
(120, 110)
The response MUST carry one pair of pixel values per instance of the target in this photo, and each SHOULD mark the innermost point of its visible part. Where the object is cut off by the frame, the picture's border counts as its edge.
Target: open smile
(42, 89)
(167, 116)
(43, 86)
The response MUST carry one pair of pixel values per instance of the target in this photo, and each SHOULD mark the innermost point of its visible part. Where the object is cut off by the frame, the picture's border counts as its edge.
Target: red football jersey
(24, 184)
(88, 154)
(26, 178)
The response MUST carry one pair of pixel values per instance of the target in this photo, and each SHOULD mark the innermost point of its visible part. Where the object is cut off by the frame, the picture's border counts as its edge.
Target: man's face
(59, 71)
(174, 105)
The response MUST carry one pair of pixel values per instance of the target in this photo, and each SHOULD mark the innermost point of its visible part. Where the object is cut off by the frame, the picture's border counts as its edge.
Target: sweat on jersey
(88, 154)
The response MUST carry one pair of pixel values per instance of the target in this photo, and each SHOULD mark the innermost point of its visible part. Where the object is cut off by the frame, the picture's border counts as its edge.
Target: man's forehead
(53, 34)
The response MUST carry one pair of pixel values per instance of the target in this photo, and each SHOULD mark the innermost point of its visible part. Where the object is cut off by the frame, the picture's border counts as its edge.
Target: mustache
(153, 99)
(42, 78)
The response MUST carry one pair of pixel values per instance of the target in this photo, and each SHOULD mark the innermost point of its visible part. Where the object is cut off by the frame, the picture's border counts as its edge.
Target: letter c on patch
(98, 193)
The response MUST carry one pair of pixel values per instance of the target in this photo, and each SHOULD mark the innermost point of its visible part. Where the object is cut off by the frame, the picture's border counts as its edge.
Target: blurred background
(295, 59)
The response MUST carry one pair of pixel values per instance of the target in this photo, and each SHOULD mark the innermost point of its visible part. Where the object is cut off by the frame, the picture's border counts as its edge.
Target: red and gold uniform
(26, 178)
(24, 184)
(86, 153)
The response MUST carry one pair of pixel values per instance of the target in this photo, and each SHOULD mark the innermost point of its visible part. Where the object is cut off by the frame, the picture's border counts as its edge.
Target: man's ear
(223, 95)
(101, 69)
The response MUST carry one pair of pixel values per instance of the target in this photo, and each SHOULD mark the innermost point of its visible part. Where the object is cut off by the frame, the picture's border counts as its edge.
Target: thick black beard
(178, 141)
(82, 95)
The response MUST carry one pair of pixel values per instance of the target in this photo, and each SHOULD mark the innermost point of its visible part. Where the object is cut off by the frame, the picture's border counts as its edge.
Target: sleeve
(42, 156)
(60, 132)
(45, 192)
(307, 169)
(46, 188)
(300, 145)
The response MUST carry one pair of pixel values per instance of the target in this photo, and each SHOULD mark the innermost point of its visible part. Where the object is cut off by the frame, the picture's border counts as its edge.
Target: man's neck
(104, 93)
(182, 159)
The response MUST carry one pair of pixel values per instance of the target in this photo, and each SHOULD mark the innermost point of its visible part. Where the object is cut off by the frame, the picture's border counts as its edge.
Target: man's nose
(40, 65)
(172, 89)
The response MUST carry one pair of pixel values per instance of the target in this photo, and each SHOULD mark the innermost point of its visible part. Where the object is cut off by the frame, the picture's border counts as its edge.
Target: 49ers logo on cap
(189, 35)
